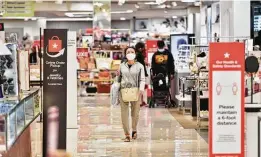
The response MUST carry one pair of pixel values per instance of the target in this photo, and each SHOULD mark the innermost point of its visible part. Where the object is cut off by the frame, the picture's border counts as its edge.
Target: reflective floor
(159, 134)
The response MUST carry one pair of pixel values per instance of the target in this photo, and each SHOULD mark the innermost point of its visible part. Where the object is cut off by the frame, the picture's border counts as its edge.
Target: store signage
(2, 27)
(226, 99)
(54, 90)
(21, 8)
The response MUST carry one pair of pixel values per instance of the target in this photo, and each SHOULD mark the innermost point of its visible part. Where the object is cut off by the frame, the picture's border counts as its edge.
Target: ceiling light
(121, 2)
(188, 1)
(165, 11)
(168, 6)
(174, 17)
(162, 6)
(137, 6)
(151, 3)
(38, 1)
(197, 3)
(98, 4)
(78, 14)
(33, 18)
(129, 11)
(123, 18)
(160, 1)
(26, 19)
(174, 4)
(59, 1)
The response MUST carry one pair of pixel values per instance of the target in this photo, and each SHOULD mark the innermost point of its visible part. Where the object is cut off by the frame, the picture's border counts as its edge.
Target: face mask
(131, 56)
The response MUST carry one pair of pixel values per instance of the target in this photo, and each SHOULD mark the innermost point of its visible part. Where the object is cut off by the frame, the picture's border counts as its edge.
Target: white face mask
(131, 56)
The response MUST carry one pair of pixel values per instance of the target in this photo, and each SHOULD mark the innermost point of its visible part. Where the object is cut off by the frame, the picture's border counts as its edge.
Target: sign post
(226, 101)
(54, 91)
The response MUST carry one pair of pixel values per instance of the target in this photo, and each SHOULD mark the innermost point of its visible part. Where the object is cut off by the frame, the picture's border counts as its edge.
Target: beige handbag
(130, 94)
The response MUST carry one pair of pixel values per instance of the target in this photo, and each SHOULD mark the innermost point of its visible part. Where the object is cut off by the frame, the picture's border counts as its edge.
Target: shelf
(96, 80)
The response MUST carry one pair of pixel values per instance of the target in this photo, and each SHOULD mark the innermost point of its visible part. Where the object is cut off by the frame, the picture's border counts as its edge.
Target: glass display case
(16, 116)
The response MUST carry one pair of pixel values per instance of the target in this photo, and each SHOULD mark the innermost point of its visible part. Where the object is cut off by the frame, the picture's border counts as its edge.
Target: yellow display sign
(11, 8)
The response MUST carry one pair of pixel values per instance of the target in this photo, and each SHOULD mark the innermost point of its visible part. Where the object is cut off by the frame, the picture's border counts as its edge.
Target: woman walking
(132, 84)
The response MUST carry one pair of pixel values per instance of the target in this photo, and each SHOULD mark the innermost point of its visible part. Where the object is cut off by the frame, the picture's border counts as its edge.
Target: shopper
(140, 57)
(163, 61)
(131, 76)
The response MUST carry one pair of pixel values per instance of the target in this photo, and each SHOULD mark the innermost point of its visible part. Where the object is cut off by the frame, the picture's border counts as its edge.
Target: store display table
(16, 115)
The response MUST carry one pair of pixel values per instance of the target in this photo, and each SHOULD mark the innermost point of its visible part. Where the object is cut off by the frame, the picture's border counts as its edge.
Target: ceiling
(129, 10)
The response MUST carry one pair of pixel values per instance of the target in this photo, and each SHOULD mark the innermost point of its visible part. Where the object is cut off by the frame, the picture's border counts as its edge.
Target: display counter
(15, 119)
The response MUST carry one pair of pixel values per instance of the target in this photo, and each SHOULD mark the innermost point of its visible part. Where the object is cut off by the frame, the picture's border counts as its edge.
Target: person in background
(163, 61)
(131, 74)
(140, 57)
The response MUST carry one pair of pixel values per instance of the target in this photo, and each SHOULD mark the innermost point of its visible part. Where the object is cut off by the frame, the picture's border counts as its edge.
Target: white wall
(30, 27)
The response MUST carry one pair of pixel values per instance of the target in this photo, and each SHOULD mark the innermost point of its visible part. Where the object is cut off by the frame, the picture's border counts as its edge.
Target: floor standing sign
(226, 101)
(54, 90)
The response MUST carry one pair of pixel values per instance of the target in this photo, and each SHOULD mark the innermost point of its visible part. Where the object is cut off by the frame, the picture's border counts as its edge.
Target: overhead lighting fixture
(151, 3)
(123, 18)
(188, 1)
(33, 18)
(121, 2)
(165, 11)
(69, 19)
(59, 1)
(78, 14)
(197, 3)
(98, 4)
(26, 19)
(38, 1)
(174, 17)
(162, 6)
(137, 6)
(174, 4)
(129, 11)
(160, 1)
(168, 6)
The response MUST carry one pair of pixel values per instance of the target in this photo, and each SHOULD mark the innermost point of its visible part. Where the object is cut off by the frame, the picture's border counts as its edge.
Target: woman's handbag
(130, 94)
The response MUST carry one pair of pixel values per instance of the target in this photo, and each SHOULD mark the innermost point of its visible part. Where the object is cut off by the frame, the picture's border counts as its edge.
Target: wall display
(226, 99)
(54, 86)
(169, 25)
(176, 42)
(141, 25)
(8, 66)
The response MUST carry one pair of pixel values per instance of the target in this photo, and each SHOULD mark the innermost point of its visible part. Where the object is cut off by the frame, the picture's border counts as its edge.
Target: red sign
(82, 53)
(55, 44)
(226, 99)
(2, 27)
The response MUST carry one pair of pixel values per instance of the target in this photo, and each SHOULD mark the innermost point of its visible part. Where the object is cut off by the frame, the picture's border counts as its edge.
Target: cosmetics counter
(191, 86)
(16, 117)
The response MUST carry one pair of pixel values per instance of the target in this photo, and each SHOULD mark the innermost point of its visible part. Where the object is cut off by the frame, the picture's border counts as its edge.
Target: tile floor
(159, 134)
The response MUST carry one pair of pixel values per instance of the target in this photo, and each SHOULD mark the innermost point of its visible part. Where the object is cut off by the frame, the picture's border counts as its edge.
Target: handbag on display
(83, 63)
(91, 64)
(116, 64)
(103, 63)
(115, 47)
(104, 88)
(104, 75)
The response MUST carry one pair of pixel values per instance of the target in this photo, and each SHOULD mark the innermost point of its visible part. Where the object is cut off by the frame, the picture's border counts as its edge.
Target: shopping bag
(55, 44)
(114, 94)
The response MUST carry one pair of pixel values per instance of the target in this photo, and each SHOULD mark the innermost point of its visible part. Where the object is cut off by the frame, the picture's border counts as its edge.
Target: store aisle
(159, 134)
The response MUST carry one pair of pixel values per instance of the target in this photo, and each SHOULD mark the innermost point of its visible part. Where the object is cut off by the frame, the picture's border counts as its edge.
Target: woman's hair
(139, 45)
(127, 49)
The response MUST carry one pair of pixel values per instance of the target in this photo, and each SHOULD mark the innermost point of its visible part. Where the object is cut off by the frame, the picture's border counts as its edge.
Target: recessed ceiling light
(165, 11)
(174, 17)
(174, 4)
(137, 6)
(59, 1)
(197, 3)
(26, 19)
(34, 18)
(188, 1)
(123, 18)
(151, 3)
(129, 11)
